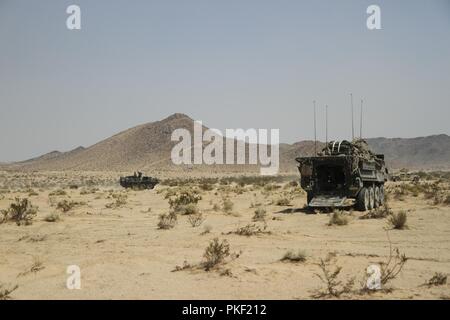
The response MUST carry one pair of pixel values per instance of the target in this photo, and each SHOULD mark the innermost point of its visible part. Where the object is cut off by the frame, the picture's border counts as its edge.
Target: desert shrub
(438, 279)
(283, 201)
(67, 205)
(260, 214)
(58, 192)
(293, 256)
(52, 217)
(398, 220)
(167, 221)
(119, 201)
(394, 265)
(184, 197)
(215, 253)
(250, 230)
(329, 276)
(196, 220)
(206, 229)
(205, 186)
(378, 213)
(338, 218)
(187, 209)
(21, 211)
(6, 291)
(227, 205)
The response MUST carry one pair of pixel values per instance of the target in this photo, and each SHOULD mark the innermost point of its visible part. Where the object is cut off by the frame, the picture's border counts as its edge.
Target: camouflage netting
(358, 148)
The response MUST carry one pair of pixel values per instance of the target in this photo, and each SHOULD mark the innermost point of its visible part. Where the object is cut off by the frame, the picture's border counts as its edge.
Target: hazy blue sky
(230, 63)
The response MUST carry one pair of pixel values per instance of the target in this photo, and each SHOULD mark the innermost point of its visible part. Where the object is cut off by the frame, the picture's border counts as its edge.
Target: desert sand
(123, 255)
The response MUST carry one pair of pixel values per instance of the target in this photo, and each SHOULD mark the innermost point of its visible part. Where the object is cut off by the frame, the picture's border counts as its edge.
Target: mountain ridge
(149, 145)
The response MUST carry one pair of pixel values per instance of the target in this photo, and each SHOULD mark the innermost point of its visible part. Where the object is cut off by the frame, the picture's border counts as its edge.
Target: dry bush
(260, 214)
(21, 212)
(206, 229)
(227, 205)
(283, 201)
(66, 205)
(292, 256)
(438, 279)
(378, 213)
(36, 266)
(119, 201)
(6, 291)
(58, 192)
(167, 221)
(187, 209)
(394, 265)
(196, 220)
(398, 220)
(334, 287)
(215, 253)
(250, 230)
(338, 218)
(52, 217)
(184, 197)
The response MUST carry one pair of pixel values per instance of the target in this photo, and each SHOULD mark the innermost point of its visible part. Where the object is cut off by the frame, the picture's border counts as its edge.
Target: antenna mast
(353, 128)
(360, 120)
(326, 124)
(315, 132)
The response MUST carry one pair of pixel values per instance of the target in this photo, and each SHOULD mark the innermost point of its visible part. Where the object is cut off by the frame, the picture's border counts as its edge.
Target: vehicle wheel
(362, 200)
(371, 198)
(381, 195)
(376, 201)
(309, 197)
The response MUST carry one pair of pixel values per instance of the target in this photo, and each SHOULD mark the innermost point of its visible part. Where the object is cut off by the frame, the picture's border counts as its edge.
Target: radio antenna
(361, 119)
(315, 131)
(353, 128)
(326, 124)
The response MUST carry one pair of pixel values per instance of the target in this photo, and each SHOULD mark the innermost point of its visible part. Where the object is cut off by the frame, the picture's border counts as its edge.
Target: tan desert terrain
(123, 255)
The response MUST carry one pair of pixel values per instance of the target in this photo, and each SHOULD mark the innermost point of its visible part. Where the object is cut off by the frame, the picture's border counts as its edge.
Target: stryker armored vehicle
(342, 174)
(137, 181)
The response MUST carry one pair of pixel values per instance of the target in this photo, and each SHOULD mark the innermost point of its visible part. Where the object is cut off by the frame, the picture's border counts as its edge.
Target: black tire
(371, 198)
(376, 201)
(382, 195)
(362, 200)
(309, 197)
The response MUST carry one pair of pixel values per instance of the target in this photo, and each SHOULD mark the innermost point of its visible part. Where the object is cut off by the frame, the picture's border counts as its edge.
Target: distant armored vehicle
(137, 181)
(343, 171)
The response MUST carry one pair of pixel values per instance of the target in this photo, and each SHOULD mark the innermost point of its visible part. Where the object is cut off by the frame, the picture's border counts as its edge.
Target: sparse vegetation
(398, 220)
(58, 192)
(216, 252)
(378, 213)
(334, 287)
(119, 201)
(167, 221)
(52, 217)
(283, 201)
(438, 279)
(250, 230)
(294, 256)
(338, 218)
(5, 291)
(21, 211)
(394, 265)
(227, 205)
(260, 214)
(196, 220)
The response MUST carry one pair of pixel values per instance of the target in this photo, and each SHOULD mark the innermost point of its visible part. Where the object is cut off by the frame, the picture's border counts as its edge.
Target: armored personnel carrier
(138, 181)
(342, 174)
